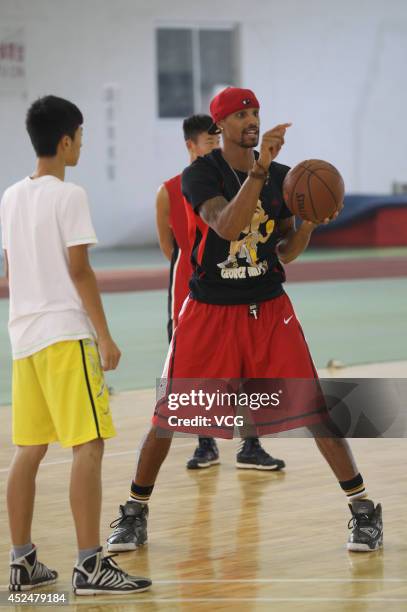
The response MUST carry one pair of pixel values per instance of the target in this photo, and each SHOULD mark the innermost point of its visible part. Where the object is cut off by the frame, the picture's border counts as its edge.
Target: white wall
(337, 70)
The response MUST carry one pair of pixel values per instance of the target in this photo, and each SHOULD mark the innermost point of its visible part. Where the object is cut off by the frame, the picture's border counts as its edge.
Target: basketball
(314, 190)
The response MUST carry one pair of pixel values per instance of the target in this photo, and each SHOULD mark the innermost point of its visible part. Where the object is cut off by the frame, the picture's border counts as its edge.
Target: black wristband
(258, 175)
(263, 169)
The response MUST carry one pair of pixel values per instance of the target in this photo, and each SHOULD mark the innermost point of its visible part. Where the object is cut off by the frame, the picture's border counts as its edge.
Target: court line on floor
(272, 580)
(106, 456)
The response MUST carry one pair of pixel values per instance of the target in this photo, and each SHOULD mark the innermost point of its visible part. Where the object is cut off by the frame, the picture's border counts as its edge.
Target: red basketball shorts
(258, 343)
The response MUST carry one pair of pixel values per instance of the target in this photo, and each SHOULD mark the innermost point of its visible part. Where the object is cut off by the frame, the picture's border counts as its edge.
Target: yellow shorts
(59, 394)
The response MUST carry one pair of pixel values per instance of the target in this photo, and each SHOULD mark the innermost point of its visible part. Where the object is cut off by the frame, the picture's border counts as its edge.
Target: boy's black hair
(195, 125)
(49, 119)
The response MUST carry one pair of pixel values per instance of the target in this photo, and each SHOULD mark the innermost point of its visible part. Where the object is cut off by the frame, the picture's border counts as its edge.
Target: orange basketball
(314, 190)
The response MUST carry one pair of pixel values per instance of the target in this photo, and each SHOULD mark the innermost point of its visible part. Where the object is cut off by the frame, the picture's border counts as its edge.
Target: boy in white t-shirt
(57, 329)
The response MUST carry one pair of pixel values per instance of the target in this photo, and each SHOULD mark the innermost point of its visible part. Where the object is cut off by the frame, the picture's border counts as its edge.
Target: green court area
(359, 321)
(151, 257)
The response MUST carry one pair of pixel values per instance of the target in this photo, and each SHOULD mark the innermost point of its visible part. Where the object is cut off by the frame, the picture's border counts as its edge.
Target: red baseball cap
(228, 101)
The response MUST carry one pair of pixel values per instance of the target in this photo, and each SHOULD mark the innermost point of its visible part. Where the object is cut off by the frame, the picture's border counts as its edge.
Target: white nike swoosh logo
(286, 321)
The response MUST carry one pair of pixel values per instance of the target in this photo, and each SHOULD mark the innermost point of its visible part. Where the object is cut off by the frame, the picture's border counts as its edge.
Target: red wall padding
(384, 227)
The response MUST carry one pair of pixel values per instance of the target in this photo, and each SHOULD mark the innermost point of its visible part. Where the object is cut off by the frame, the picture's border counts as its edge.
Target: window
(193, 64)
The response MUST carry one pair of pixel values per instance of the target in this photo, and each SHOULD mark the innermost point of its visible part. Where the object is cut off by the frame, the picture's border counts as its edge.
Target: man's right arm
(84, 279)
(165, 234)
(228, 219)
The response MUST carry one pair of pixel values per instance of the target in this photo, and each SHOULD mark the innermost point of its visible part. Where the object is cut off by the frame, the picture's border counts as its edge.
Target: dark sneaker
(252, 455)
(101, 575)
(27, 573)
(367, 526)
(130, 529)
(205, 455)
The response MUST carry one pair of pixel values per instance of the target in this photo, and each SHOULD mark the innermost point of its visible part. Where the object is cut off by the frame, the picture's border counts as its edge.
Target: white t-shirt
(41, 218)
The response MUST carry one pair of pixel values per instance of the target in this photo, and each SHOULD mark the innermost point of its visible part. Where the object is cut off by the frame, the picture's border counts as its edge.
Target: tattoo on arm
(211, 209)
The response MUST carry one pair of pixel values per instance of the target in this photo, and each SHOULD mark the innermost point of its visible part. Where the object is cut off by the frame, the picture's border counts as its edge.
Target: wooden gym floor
(226, 539)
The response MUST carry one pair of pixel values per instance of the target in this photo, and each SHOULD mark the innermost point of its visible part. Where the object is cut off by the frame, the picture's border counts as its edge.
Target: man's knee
(93, 448)
(34, 454)
(326, 429)
(160, 435)
(331, 443)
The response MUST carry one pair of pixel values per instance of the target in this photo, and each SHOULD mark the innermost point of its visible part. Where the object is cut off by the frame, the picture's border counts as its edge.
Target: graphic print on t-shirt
(243, 260)
(245, 270)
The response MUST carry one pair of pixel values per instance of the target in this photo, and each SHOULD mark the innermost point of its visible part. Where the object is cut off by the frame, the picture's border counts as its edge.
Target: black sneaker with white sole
(252, 456)
(99, 575)
(367, 526)
(130, 529)
(28, 573)
(205, 455)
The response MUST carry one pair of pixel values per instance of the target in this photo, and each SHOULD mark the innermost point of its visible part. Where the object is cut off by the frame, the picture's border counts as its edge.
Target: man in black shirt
(238, 322)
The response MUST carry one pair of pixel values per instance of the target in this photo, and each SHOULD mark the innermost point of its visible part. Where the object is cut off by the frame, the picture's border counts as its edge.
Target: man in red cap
(238, 322)
(172, 228)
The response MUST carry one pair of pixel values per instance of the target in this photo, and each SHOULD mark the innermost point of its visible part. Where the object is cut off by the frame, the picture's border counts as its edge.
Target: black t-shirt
(246, 270)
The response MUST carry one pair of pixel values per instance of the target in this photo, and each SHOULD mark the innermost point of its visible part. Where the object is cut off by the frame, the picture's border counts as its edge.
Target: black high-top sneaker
(252, 455)
(367, 526)
(205, 455)
(98, 575)
(130, 529)
(27, 573)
